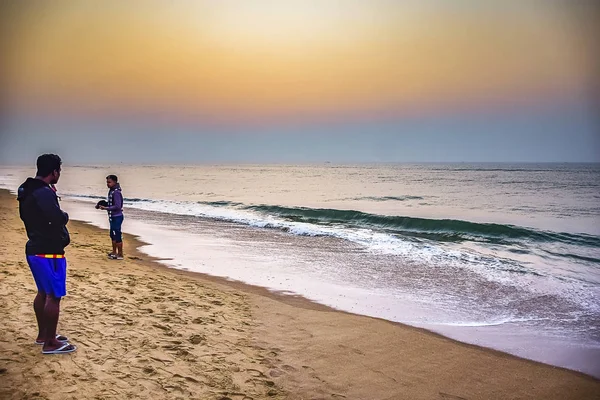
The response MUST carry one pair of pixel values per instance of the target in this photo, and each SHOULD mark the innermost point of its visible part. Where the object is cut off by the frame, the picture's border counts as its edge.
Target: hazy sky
(294, 81)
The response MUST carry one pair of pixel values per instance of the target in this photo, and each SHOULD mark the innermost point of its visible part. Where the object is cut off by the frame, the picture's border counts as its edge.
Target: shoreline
(297, 300)
(504, 337)
(290, 347)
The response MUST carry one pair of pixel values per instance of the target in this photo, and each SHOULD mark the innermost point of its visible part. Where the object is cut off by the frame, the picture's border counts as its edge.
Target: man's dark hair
(113, 178)
(47, 163)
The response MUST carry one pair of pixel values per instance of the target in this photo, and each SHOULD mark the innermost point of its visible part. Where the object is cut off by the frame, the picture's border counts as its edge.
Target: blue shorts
(115, 228)
(50, 274)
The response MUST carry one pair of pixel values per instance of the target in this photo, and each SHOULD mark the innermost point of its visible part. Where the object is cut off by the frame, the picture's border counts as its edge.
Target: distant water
(506, 256)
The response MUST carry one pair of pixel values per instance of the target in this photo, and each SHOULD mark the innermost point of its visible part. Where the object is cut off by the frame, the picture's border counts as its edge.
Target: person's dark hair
(113, 178)
(47, 163)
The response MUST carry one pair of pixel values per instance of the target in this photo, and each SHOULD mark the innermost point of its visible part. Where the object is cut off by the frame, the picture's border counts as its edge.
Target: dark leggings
(115, 229)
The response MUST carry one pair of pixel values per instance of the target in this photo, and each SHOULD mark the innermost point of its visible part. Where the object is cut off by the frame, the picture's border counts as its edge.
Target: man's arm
(117, 202)
(46, 200)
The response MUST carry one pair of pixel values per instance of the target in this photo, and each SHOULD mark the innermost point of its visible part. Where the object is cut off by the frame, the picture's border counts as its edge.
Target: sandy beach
(147, 331)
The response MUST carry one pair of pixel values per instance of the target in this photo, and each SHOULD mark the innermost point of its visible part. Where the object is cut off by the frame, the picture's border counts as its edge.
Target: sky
(299, 81)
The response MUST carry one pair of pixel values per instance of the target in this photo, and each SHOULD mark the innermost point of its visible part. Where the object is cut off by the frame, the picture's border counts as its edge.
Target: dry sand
(145, 331)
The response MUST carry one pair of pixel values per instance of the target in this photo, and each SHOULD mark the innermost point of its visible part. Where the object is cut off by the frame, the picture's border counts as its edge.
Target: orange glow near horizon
(263, 59)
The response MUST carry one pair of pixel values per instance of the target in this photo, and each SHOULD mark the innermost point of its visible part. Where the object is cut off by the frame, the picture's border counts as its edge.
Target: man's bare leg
(38, 306)
(51, 314)
(51, 344)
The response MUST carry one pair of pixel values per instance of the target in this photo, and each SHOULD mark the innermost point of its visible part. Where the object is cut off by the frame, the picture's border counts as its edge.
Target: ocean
(505, 256)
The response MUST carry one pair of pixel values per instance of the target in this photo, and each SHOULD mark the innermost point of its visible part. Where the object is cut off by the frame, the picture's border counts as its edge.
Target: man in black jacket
(46, 228)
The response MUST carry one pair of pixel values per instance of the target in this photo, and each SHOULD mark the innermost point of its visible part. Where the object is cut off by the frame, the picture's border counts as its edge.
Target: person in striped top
(115, 216)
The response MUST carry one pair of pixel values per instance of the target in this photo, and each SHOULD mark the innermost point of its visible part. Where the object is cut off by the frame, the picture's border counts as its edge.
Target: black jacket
(45, 222)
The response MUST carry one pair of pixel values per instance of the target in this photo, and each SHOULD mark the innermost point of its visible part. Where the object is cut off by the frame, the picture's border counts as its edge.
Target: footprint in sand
(289, 368)
(357, 351)
(276, 373)
(197, 339)
(447, 396)
(255, 373)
